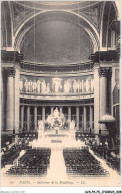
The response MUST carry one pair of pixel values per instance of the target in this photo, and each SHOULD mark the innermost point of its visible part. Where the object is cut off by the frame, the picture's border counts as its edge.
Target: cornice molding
(107, 56)
(56, 68)
(11, 56)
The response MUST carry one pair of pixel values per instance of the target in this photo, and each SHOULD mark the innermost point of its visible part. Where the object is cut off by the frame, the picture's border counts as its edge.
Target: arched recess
(67, 15)
(109, 15)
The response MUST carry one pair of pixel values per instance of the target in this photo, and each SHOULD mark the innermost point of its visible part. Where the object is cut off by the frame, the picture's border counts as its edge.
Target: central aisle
(57, 170)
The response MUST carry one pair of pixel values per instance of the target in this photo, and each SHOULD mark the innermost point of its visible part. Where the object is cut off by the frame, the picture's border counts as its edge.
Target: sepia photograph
(60, 94)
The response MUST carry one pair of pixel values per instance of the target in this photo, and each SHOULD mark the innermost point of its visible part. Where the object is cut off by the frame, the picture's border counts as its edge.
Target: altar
(55, 121)
(56, 131)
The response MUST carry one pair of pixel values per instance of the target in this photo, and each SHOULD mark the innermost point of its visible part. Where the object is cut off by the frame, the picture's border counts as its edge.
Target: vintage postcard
(60, 94)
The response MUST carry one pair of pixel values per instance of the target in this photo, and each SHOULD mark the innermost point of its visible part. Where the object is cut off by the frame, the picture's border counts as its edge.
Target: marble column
(77, 118)
(61, 110)
(69, 116)
(35, 118)
(84, 118)
(52, 108)
(109, 100)
(69, 113)
(103, 73)
(96, 98)
(43, 114)
(3, 81)
(10, 72)
(22, 117)
(91, 116)
(16, 99)
(28, 118)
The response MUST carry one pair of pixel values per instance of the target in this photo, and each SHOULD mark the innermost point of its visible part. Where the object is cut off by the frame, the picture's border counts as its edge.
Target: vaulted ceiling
(56, 31)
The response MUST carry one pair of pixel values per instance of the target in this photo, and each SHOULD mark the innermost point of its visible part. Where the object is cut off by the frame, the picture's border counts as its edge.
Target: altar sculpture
(72, 125)
(40, 125)
(56, 120)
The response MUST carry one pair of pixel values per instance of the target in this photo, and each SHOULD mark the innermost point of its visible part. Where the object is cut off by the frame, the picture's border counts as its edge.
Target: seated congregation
(33, 162)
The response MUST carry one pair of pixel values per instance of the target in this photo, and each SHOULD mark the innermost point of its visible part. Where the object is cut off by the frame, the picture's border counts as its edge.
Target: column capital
(10, 71)
(105, 71)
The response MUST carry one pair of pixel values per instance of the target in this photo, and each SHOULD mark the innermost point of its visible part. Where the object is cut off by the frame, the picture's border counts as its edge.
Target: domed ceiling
(56, 41)
(72, 5)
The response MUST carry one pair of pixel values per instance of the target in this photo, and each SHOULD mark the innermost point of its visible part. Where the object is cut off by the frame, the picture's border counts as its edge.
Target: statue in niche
(75, 86)
(92, 85)
(34, 86)
(57, 84)
(67, 86)
(72, 125)
(48, 88)
(26, 85)
(56, 113)
(43, 86)
(84, 86)
(40, 125)
(21, 85)
(38, 86)
(87, 85)
(80, 85)
(31, 86)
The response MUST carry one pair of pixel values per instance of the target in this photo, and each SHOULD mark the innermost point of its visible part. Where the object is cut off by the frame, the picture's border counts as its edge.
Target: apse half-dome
(56, 41)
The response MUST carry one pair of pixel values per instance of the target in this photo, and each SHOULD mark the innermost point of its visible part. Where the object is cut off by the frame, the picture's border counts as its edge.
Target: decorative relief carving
(20, 13)
(37, 85)
(93, 14)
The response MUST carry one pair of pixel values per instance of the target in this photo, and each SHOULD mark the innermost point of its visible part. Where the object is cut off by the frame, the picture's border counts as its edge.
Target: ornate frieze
(20, 13)
(105, 71)
(56, 85)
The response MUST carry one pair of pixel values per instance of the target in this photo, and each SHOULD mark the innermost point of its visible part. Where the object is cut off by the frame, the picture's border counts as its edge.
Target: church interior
(60, 91)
